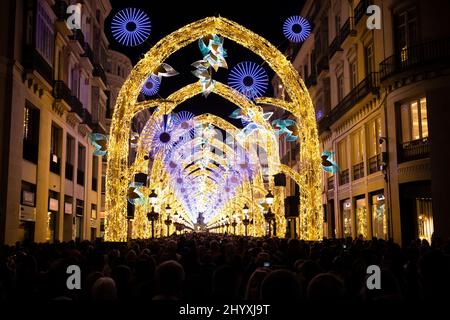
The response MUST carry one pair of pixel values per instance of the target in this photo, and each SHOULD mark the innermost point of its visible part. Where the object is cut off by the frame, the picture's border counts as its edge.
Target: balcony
(361, 10)
(344, 177)
(78, 36)
(414, 150)
(322, 64)
(335, 46)
(99, 72)
(348, 29)
(416, 57)
(88, 53)
(358, 171)
(311, 80)
(369, 84)
(330, 183)
(60, 10)
(375, 163)
(62, 92)
(69, 171)
(33, 61)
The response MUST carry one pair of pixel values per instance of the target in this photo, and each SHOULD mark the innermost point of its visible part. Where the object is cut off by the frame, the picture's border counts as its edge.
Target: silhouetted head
(169, 278)
(281, 285)
(325, 287)
(104, 289)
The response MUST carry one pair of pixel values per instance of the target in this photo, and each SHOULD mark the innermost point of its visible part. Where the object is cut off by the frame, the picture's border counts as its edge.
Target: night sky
(167, 16)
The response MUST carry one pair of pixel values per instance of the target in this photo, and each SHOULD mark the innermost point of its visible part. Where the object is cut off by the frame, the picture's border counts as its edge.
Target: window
(406, 31)
(68, 205)
(30, 133)
(343, 163)
(93, 211)
(374, 146)
(81, 164)
(79, 207)
(379, 217)
(94, 172)
(414, 120)
(28, 196)
(44, 33)
(424, 210)
(70, 157)
(340, 87)
(346, 207)
(75, 82)
(55, 150)
(353, 74)
(361, 218)
(358, 154)
(370, 59)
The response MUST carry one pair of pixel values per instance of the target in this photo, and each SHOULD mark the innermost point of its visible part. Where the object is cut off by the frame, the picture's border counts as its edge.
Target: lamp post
(268, 216)
(227, 223)
(246, 220)
(152, 216)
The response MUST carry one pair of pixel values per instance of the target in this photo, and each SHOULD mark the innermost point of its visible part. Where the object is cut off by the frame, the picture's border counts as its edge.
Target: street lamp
(153, 197)
(245, 210)
(246, 222)
(227, 223)
(168, 222)
(152, 216)
(269, 198)
(269, 216)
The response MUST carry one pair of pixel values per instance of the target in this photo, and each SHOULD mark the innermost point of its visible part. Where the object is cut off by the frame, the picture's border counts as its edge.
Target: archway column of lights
(300, 106)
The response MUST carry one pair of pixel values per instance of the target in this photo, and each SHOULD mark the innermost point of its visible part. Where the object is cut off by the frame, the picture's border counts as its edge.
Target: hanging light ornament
(249, 78)
(328, 163)
(282, 125)
(162, 136)
(296, 29)
(100, 143)
(131, 26)
(184, 121)
(134, 193)
(151, 86)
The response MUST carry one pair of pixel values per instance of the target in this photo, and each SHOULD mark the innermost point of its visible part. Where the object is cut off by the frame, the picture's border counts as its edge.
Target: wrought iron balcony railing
(358, 171)
(374, 164)
(99, 72)
(62, 91)
(88, 53)
(415, 150)
(330, 183)
(416, 57)
(369, 84)
(344, 177)
(33, 61)
(360, 10)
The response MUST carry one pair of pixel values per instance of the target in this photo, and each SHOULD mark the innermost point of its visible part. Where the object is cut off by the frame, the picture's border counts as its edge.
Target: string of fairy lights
(183, 177)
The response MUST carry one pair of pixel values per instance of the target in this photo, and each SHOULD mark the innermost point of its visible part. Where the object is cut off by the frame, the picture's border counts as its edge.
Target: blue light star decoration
(296, 29)
(161, 137)
(282, 125)
(249, 78)
(211, 47)
(100, 143)
(328, 163)
(184, 121)
(131, 26)
(151, 86)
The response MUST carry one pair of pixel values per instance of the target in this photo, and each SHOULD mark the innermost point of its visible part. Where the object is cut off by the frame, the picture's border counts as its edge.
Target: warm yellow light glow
(300, 105)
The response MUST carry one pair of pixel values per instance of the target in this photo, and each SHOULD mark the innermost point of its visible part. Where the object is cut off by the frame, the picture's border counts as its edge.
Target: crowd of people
(217, 268)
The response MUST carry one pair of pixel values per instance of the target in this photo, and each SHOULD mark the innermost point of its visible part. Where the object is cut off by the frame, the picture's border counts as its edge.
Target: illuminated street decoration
(296, 29)
(184, 120)
(328, 163)
(162, 136)
(165, 70)
(282, 125)
(151, 86)
(134, 194)
(100, 143)
(249, 79)
(131, 26)
(119, 170)
(214, 55)
(134, 139)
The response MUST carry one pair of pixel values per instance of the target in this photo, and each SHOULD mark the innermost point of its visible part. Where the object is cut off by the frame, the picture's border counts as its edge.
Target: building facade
(57, 96)
(380, 98)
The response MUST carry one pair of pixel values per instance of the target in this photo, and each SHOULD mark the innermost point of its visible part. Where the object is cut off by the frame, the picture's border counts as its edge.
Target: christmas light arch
(300, 106)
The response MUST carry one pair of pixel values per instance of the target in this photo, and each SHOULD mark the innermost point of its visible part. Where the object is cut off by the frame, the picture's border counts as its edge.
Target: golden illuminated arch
(300, 106)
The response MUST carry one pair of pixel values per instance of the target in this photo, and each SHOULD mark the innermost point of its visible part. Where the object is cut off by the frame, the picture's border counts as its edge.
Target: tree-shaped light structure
(249, 79)
(131, 26)
(296, 29)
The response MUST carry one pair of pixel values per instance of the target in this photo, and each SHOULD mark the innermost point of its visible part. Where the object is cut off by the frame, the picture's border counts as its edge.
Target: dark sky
(263, 17)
